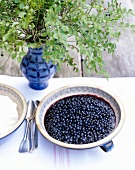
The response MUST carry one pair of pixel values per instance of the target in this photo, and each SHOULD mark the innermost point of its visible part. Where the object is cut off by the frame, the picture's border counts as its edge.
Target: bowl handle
(107, 146)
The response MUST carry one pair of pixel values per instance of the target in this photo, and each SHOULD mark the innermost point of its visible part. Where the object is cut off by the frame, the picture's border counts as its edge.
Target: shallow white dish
(63, 92)
(18, 98)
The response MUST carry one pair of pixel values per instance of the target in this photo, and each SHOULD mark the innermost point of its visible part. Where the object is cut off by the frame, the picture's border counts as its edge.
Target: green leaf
(121, 24)
(19, 59)
(15, 23)
(70, 61)
(132, 26)
(22, 5)
(5, 37)
(14, 56)
(21, 14)
(127, 25)
(124, 10)
(22, 53)
(16, 1)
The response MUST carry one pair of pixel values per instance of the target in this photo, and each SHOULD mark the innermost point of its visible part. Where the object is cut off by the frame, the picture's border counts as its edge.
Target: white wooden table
(49, 156)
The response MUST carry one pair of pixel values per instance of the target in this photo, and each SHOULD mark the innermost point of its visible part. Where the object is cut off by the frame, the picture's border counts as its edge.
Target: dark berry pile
(80, 119)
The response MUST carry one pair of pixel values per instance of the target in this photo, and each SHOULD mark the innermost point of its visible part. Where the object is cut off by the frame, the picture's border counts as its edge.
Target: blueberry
(80, 119)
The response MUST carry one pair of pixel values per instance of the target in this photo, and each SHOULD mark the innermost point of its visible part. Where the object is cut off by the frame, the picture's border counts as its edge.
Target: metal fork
(34, 130)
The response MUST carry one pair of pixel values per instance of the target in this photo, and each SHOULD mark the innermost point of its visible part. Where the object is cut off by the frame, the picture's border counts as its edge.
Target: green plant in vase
(49, 24)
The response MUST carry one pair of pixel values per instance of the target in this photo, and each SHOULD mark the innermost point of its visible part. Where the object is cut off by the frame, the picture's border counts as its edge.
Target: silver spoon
(25, 145)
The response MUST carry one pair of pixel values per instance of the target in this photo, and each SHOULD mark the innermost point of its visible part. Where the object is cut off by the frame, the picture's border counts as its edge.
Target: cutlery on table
(25, 145)
(36, 129)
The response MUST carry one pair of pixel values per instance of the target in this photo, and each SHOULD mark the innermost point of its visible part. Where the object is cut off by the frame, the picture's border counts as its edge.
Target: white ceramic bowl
(17, 98)
(63, 92)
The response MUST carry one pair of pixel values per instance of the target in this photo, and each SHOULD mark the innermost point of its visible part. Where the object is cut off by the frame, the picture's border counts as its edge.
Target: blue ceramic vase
(36, 70)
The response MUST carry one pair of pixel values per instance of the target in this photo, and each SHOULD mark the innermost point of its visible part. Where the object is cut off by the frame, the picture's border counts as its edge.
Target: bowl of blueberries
(80, 117)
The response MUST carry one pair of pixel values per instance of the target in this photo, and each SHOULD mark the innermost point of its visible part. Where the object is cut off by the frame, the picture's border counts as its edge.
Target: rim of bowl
(81, 146)
(19, 122)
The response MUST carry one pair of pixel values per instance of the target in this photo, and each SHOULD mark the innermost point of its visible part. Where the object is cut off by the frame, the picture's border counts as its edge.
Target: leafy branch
(50, 23)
